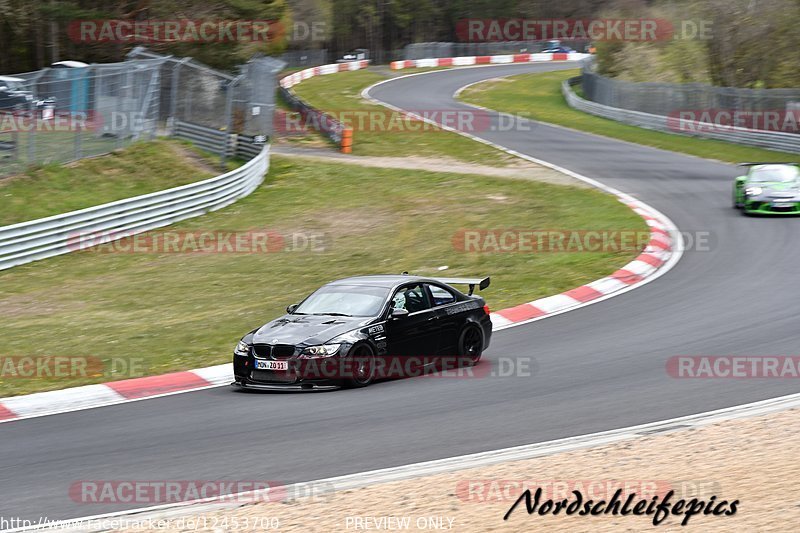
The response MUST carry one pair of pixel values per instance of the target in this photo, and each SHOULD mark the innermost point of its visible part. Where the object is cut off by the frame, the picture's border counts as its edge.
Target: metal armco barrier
(785, 142)
(209, 139)
(313, 117)
(660, 98)
(336, 131)
(214, 141)
(60, 234)
(248, 147)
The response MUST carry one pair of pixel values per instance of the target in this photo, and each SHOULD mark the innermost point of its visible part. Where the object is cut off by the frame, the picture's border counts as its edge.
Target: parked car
(359, 54)
(15, 97)
(13, 94)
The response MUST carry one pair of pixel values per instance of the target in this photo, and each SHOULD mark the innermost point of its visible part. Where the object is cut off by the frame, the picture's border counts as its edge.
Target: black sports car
(355, 330)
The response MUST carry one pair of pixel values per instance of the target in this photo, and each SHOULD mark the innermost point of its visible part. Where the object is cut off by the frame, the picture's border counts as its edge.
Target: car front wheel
(360, 367)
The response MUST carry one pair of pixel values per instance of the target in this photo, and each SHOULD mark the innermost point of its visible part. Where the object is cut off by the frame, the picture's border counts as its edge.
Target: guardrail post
(173, 94)
(77, 145)
(15, 143)
(228, 118)
(32, 137)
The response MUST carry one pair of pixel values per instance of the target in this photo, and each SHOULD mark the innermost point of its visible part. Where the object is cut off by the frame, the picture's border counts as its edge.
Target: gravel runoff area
(750, 460)
(519, 169)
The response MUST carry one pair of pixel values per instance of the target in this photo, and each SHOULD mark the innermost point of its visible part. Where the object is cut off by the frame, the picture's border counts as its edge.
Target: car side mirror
(290, 309)
(399, 313)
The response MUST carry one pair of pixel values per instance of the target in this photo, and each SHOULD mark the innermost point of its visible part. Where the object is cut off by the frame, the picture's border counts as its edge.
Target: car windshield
(344, 300)
(779, 173)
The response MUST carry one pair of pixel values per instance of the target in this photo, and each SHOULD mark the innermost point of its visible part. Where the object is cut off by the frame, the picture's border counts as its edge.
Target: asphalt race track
(597, 368)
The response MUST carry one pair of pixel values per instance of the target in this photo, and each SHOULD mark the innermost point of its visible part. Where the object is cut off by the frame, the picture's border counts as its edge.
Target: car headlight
(753, 191)
(323, 350)
(242, 348)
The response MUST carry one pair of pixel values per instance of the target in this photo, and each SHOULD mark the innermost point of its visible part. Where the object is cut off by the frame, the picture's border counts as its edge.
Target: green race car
(768, 189)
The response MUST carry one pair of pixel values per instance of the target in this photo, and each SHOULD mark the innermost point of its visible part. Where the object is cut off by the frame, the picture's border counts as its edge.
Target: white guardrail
(773, 140)
(60, 234)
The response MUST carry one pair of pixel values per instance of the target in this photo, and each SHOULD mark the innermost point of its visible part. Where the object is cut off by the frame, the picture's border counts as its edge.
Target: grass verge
(538, 97)
(142, 168)
(341, 93)
(174, 311)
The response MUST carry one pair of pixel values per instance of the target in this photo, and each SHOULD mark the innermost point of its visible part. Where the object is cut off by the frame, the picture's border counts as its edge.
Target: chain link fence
(66, 113)
(670, 98)
(773, 140)
(212, 108)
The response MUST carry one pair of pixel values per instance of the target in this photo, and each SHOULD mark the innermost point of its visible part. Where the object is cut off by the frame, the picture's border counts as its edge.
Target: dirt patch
(193, 158)
(341, 223)
(37, 304)
(486, 85)
(517, 169)
(312, 140)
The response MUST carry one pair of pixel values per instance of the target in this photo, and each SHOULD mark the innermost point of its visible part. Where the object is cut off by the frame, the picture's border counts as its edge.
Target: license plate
(272, 365)
(782, 204)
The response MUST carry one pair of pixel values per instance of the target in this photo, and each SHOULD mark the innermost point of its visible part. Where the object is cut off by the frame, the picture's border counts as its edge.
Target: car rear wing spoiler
(482, 283)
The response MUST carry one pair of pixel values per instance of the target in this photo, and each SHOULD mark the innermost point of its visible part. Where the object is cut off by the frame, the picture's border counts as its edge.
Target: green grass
(52, 146)
(342, 92)
(538, 96)
(181, 310)
(139, 169)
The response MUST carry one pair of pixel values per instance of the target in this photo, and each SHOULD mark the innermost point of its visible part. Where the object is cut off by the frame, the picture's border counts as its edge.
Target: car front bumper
(305, 386)
(767, 208)
(247, 377)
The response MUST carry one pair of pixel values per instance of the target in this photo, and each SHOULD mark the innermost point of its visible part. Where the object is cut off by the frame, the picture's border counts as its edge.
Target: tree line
(751, 43)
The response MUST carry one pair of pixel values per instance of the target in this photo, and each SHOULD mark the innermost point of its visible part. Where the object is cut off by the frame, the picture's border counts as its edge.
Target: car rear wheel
(361, 367)
(470, 344)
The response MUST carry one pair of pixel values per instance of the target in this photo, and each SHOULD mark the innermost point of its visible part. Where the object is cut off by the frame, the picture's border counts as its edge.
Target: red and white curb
(467, 61)
(656, 254)
(660, 254)
(293, 79)
(115, 392)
